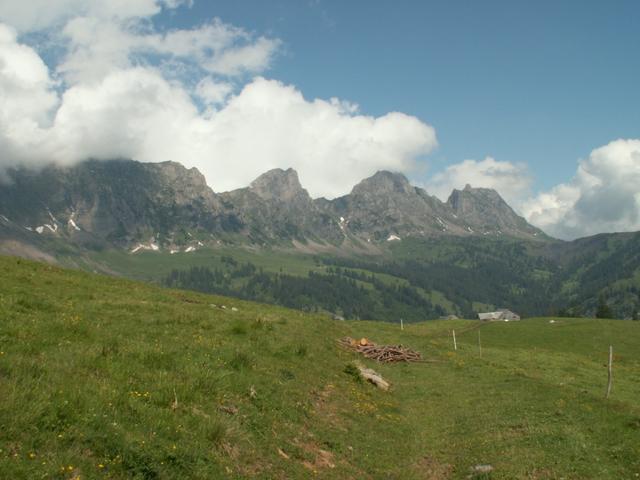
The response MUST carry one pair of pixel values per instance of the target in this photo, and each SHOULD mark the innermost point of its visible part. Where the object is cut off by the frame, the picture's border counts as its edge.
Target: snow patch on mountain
(71, 222)
(145, 246)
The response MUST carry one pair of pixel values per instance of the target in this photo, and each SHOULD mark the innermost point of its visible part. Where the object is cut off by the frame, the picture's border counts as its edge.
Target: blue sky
(542, 82)
(538, 100)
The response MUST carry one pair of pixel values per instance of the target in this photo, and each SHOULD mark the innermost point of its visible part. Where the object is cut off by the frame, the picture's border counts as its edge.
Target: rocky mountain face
(276, 207)
(119, 201)
(387, 207)
(166, 206)
(484, 211)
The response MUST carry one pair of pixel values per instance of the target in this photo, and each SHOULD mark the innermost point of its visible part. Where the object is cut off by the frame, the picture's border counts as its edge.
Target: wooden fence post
(455, 345)
(610, 371)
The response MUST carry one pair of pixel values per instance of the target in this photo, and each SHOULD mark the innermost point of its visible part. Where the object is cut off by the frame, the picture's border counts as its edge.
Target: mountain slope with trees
(470, 253)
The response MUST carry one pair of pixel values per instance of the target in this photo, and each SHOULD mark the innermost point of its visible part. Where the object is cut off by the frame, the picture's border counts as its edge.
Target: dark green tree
(603, 310)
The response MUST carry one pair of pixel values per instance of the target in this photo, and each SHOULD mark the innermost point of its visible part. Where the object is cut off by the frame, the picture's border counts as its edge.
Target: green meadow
(153, 266)
(105, 378)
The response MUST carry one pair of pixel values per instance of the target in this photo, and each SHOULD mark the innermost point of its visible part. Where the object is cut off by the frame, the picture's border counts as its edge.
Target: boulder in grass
(480, 471)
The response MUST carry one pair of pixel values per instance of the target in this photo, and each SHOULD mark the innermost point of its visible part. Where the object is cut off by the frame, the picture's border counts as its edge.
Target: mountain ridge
(128, 203)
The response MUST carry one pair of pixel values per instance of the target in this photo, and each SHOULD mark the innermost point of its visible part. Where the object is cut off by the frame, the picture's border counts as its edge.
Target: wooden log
(373, 377)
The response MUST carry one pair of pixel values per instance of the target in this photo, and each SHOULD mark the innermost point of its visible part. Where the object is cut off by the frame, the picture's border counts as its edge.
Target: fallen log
(374, 377)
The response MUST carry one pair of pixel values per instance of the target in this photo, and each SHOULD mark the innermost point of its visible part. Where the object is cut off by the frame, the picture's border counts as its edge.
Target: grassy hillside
(426, 277)
(287, 278)
(108, 378)
(415, 280)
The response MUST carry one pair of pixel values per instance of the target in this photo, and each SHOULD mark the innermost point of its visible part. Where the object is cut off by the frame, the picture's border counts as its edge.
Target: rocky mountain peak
(278, 184)
(463, 201)
(175, 172)
(384, 182)
(486, 211)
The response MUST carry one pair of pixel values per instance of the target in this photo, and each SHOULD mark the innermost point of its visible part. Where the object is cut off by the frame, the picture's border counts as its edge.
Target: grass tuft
(239, 328)
(352, 370)
(241, 361)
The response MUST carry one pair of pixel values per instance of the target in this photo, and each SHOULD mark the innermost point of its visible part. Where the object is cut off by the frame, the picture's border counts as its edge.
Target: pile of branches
(381, 353)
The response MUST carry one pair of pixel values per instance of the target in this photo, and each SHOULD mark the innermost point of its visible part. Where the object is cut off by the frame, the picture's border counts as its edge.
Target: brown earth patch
(431, 469)
(323, 458)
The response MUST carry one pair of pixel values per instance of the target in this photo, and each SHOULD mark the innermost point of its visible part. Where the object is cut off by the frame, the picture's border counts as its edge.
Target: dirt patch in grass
(542, 474)
(430, 468)
(326, 406)
(184, 298)
(322, 458)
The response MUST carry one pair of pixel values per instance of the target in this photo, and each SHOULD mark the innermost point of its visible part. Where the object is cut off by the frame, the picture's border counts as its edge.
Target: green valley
(415, 279)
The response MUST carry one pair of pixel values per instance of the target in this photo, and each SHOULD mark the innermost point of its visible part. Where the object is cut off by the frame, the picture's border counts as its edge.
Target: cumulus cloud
(248, 58)
(333, 147)
(98, 36)
(26, 99)
(512, 181)
(603, 196)
(213, 93)
(41, 14)
(95, 47)
(111, 104)
(132, 113)
(138, 114)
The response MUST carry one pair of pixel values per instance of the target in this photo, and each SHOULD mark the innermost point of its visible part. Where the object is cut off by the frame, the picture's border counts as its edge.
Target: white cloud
(124, 88)
(96, 46)
(604, 195)
(41, 14)
(26, 87)
(250, 58)
(271, 125)
(137, 112)
(101, 35)
(132, 113)
(26, 98)
(511, 181)
(213, 93)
